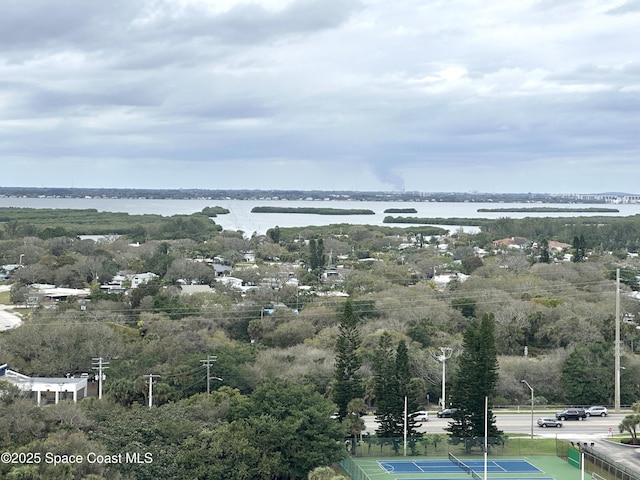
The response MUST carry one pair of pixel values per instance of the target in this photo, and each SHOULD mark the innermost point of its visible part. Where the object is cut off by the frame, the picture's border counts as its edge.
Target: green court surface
(441, 468)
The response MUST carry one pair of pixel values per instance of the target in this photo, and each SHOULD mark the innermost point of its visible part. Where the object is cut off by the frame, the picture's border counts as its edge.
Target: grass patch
(622, 439)
(5, 298)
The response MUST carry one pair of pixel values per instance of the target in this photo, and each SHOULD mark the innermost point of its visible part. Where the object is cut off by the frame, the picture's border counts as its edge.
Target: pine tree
(317, 258)
(347, 383)
(274, 234)
(545, 257)
(405, 387)
(392, 383)
(579, 249)
(389, 402)
(475, 378)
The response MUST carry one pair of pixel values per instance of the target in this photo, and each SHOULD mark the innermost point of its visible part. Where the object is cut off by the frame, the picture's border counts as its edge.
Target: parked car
(545, 422)
(447, 413)
(420, 416)
(572, 414)
(597, 411)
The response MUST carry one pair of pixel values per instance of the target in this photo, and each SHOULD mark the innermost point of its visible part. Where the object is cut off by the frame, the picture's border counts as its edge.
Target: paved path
(8, 319)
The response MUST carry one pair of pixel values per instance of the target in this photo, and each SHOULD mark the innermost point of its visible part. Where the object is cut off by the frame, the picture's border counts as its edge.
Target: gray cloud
(631, 6)
(402, 94)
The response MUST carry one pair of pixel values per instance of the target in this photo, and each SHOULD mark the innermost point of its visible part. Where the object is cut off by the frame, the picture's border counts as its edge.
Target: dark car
(545, 422)
(447, 413)
(572, 414)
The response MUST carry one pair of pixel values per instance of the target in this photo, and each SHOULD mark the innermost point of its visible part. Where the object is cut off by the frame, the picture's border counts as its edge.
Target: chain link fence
(442, 445)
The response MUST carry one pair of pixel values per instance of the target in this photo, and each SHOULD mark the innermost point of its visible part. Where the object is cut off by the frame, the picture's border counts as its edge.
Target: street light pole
(616, 347)
(443, 357)
(530, 388)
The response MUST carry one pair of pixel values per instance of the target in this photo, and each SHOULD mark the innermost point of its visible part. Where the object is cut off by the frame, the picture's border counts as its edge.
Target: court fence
(606, 467)
(441, 445)
(353, 469)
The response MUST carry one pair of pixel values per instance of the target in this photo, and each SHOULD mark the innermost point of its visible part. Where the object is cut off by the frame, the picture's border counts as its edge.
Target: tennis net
(459, 463)
(475, 476)
(464, 467)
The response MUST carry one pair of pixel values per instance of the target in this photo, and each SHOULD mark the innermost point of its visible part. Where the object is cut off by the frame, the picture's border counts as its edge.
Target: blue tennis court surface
(446, 466)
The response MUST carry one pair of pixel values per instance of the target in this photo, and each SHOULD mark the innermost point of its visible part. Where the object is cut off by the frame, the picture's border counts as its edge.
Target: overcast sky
(428, 95)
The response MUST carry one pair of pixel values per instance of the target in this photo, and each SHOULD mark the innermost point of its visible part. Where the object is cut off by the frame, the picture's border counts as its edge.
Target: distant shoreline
(550, 209)
(318, 195)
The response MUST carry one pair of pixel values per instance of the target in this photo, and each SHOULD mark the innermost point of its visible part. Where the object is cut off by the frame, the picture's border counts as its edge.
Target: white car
(597, 412)
(420, 416)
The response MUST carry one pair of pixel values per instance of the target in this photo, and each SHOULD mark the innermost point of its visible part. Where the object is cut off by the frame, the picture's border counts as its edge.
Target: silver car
(545, 422)
(420, 416)
(597, 411)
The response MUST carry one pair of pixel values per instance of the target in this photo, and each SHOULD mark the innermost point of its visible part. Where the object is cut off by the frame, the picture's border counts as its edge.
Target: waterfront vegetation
(411, 290)
(476, 222)
(214, 211)
(551, 210)
(51, 223)
(314, 210)
(400, 210)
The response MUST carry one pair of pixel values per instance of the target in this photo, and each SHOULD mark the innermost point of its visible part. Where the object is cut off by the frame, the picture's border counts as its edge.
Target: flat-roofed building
(46, 389)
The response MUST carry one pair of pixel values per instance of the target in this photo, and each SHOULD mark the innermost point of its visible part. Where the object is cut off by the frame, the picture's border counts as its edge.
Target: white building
(141, 278)
(46, 388)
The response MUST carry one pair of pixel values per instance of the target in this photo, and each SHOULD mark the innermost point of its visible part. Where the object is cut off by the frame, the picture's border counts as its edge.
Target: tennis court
(454, 465)
(452, 468)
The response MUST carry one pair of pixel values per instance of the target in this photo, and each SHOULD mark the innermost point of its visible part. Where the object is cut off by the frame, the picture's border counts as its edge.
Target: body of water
(241, 217)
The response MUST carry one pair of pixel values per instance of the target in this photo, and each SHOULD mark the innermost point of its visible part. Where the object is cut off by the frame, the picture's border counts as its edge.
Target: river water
(241, 217)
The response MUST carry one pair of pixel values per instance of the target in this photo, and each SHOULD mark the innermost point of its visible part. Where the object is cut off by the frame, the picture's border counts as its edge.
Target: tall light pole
(443, 357)
(151, 377)
(530, 388)
(616, 347)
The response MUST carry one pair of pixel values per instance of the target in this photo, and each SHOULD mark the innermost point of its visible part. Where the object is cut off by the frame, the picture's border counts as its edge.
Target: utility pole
(100, 365)
(151, 377)
(207, 363)
(617, 346)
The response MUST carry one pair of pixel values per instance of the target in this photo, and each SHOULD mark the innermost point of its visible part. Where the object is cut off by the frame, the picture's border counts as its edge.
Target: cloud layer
(321, 94)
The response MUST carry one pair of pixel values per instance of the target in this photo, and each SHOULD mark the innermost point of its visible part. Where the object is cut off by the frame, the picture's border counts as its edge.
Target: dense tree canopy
(279, 330)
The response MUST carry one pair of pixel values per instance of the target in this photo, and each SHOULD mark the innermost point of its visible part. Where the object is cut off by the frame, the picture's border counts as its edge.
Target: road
(591, 428)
